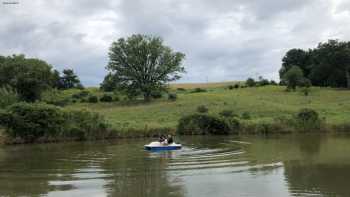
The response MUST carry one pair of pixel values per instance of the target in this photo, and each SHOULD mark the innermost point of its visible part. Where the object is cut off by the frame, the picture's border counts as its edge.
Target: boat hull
(157, 146)
(160, 148)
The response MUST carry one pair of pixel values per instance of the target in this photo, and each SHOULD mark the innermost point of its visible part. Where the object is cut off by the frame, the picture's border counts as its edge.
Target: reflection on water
(301, 165)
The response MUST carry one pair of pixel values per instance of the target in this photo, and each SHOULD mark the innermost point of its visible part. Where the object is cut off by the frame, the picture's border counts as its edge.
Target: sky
(224, 40)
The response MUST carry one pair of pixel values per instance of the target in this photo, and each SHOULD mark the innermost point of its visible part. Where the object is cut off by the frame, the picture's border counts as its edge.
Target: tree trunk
(347, 73)
(147, 96)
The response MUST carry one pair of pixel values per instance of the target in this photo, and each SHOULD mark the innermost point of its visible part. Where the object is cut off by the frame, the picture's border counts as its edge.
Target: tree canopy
(69, 80)
(27, 76)
(142, 64)
(326, 65)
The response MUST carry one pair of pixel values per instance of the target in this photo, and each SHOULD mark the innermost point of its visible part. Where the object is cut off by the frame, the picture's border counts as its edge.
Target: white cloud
(222, 40)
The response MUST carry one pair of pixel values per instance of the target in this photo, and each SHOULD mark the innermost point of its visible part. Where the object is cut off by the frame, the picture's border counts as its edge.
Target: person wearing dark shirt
(170, 139)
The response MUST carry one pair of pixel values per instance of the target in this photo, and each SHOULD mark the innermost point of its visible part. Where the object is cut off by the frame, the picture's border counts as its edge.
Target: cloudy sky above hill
(222, 39)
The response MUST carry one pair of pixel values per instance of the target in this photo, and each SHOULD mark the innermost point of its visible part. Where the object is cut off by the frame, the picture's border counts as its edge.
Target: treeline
(26, 113)
(326, 65)
(30, 77)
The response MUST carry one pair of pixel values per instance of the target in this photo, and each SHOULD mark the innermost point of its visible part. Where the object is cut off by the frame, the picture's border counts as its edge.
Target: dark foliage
(93, 99)
(201, 124)
(172, 97)
(106, 98)
(202, 109)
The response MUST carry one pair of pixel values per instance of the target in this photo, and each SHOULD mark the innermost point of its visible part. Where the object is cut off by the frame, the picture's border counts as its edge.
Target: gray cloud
(222, 40)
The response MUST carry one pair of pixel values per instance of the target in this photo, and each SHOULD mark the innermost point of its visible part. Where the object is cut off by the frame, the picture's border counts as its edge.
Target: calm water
(308, 165)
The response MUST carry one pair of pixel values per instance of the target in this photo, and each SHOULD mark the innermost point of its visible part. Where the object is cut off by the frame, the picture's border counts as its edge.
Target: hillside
(262, 103)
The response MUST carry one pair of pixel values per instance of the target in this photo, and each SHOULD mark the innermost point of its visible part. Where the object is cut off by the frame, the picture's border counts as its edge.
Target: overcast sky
(222, 39)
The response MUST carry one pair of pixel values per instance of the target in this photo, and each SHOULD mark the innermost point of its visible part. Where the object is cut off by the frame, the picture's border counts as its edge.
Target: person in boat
(170, 139)
(161, 139)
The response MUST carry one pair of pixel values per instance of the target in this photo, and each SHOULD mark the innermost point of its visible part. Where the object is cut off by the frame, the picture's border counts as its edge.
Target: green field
(263, 103)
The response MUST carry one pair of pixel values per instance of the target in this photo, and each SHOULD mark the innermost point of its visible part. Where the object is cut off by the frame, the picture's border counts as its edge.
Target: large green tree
(28, 76)
(142, 64)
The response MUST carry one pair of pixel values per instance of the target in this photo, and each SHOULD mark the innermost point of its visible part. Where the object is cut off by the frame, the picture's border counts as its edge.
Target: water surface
(301, 165)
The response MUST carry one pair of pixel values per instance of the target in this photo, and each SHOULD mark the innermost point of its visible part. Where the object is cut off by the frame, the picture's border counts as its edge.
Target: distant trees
(69, 80)
(293, 77)
(142, 64)
(326, 65)
(29, 77)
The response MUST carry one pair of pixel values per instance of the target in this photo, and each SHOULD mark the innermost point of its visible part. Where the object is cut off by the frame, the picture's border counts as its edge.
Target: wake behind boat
(157, 146)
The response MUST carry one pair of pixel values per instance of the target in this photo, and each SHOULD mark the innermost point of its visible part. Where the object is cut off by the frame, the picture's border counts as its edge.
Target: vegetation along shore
(139, 99)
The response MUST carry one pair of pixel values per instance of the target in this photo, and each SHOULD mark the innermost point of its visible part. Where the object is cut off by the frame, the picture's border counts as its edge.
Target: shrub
(236, 86)
(84, 125)
(32, 121)
(172, 97)
(55, 97)
(93, 99)
(44, 122)
(246, 116)
(198, 90)
(181, 89)
(81, 94)
(308, 119)
(116, 98)
(106, 98)
(202, 109)
(156, 94)
(8, 96)
(201, 124)
(230, 87)
(227, 113)
(250, 82)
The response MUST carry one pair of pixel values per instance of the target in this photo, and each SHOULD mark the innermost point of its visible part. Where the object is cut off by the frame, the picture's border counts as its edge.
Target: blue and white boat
(157, 146)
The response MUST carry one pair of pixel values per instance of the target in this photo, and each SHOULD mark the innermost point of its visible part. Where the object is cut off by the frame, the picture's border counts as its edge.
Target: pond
(289, 165)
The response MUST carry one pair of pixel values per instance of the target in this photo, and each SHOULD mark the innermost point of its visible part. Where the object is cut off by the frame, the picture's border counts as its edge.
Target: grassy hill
(264, 104)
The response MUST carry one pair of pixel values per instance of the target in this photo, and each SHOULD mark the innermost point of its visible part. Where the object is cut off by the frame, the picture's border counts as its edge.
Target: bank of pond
(40, 122)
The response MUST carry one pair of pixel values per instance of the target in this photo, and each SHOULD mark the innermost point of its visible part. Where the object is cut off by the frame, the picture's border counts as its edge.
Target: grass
(202, 85)
(264, 104)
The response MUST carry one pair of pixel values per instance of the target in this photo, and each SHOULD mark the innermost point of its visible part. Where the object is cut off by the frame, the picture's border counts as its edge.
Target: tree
(250, 82)
(326, 65)
(29, 77)
(141, 64)
(331, 66)
(296, 57)
(69, 80)
(293, 77)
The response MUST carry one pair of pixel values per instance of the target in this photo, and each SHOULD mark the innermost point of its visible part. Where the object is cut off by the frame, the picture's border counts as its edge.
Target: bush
(32, 121)
(8, 96)
(93, 99)
(106, 98)
(201, 124)
(172, 97)
(44, 122)
(55, 97)
(308, 119)
(227, 113)
(84, 125)
(116, 98)
(181, 89)
(81, 94)
(246, 116)
(202, 109)
(236, 86)
(198, 90)
(156, 94)
(250, 82)
(230, 87)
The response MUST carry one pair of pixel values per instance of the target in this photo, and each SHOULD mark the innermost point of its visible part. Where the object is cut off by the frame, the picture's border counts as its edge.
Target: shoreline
(252, 129)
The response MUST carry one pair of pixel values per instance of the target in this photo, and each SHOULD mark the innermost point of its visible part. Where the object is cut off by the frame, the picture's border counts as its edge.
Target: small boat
(157, 146)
